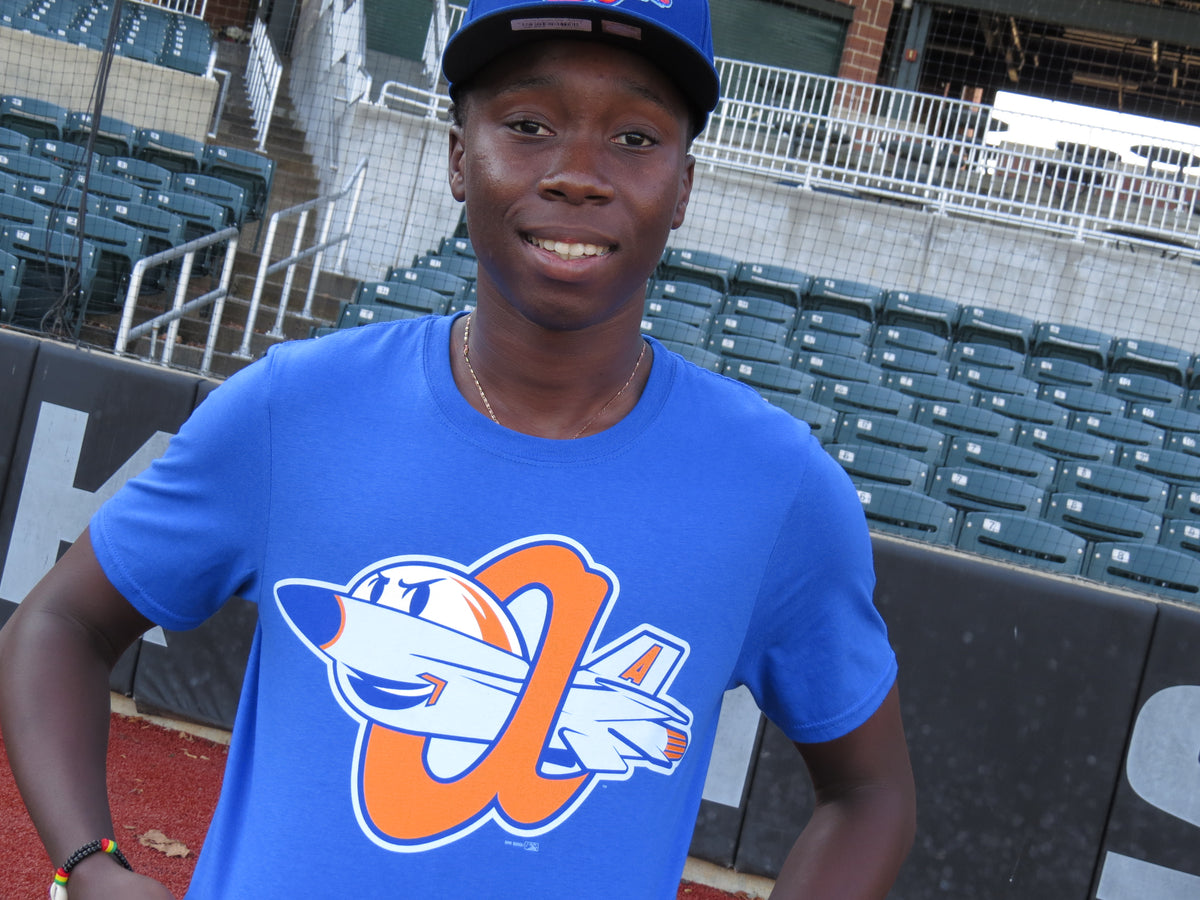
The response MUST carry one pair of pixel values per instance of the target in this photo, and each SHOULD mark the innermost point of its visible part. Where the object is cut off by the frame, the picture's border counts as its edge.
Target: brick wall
(863, 52)
(221, 13)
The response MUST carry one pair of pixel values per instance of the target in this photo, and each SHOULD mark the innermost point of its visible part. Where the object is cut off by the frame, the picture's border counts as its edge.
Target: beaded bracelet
(58, 890)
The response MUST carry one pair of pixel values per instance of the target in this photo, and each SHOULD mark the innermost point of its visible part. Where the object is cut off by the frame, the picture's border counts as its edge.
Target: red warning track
(158, 780)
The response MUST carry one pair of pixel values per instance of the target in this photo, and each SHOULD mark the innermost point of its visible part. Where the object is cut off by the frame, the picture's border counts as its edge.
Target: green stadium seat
(907, 513)
(144, 174)
(925, 312)
(57, 268)
(1025, 409)
(32, 117)
(829, 344)
(354, 314)
(1182, 535)
(674, 331)
(11, 271)
(995, 381)
(686, 292)
(760, 308)
(854, 298)
(839, 368)
(902, 360)
(1137, 387)
(751, 326)
(713, 270)
(1184, 502)
(835, 323)
(162, 231)
(120, 246)
(869, 462)
(930, 387)
(70, 156)
(466, 302)
(1126, 432)
(1080, 399)
(962, 418)
(896, 337)
(1023, 540)
(1074, 342)
(735, 346)
(173, 152)
(770, 376)
(967, 452)
(864, 399)
(16, 210)
(53, 197)
(1150, 358)
(1070, 372)
(108, 187)
(1168, 465)
(821, 419)
(983, 325)
(1168, 417)
(771, 281)
(32, 168)
(679, 311)
(201, 216)
(873, 429)
(987, 356)
(402, 295)
(13, 141)
(226, 195)
(977, 490)
(460, 266)
(1067, 445)
(456, 246)
(1097, 518)
(1183, 442)
(442, 282)
(1113, 481)
(1139, 567)
(114, 137)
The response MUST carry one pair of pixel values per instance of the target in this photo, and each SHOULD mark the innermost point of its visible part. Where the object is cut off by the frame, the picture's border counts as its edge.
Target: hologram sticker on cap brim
(544, 24)
(622, 30)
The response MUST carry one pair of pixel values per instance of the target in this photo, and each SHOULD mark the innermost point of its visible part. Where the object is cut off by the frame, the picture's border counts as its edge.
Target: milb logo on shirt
(483, 692)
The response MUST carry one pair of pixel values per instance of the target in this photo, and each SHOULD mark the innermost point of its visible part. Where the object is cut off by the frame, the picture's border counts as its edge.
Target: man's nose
(577, 173)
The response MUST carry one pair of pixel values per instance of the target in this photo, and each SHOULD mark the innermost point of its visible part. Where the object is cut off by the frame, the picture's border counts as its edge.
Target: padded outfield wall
(1054, 724)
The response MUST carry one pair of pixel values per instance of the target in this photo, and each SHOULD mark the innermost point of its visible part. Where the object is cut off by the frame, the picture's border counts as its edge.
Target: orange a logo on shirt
(484, 694)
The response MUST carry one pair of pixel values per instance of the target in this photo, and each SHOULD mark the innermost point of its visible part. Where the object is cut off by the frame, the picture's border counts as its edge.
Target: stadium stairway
(295, 182)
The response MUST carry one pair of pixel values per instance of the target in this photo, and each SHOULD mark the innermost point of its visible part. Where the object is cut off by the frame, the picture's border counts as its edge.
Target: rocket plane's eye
(417, 595)
(378, 586)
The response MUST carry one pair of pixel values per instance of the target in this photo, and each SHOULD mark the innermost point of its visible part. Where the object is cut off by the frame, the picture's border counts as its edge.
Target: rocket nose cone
(314, 611)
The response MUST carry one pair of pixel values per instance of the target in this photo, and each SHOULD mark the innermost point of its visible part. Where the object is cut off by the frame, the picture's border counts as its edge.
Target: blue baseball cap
(675, 35)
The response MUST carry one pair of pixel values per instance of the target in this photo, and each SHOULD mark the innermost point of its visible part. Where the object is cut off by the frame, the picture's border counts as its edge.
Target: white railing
(190, 7)
(263, 72)
(316, 252)
(127, 332)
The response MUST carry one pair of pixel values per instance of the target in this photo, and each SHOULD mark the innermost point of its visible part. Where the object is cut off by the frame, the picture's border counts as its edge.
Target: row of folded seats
(140, 193)
(1043, 444)
(151, 34)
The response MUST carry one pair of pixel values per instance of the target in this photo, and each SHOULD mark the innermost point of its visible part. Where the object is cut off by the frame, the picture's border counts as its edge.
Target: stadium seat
(868, 462)
(1026, 409)
(354, 314)
(228, 196)
(109, 187)
(54, 197)
(1080, 399)
(1052, 370)
(464, 267)
(995, 381)
(854, 298)
(33, 117)
(114, 137)
(987, 356)
(771, 281)
(898, 337)
(1020, 539)
(1113, 481)
(962, 418)
(679, 311)
(976, 490)
(712, 270)
(1182, 442)
(1168, 465)
(1182, 535)
(201, 216)
(11, 271)
(456, 246)
(1126, 432)
(70, 156)
(736, 346)
(930, 387)
(687, 292)
(144, 174)
(873, 429)
(907, 513)
(983, 325)
(444, 283)
(1074, 342)
(967, 452)
(1184, 502)
(162, 230)
(173, 152)
(924, 312)
(1150, 358)
(828, 344)
(1168, 417)
(13, 141)
(770, 376)
(119, 246)
(699, 356)
(864, 399)
(1098, 518)
(751, 326)
(1067, 445)
(835, 323)
(57, 269)
(902, 360)
(1140, 567)
(821, 419)
(674, 331)
(1137, 387)
(403, 295)
(32, 168)
(760, 308)
(839, 368)
(16, 210)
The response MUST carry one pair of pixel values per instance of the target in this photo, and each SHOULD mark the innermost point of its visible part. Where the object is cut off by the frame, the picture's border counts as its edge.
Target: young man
(493, 666)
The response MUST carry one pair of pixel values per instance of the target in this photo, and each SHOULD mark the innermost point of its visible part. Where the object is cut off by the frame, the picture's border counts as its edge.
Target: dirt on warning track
(163, 787)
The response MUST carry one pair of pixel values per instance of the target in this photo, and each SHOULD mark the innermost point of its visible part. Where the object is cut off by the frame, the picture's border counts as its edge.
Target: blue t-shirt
(489, 663)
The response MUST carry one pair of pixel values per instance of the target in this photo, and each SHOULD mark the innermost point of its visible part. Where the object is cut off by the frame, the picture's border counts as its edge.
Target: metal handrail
(352, 187)
(263, 74)
(126, 332)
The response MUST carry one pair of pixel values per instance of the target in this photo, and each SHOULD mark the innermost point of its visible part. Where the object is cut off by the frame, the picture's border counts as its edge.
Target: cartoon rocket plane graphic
(423, 648)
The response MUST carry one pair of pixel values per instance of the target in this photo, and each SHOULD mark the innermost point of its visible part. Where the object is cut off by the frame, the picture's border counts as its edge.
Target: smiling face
(571, 157)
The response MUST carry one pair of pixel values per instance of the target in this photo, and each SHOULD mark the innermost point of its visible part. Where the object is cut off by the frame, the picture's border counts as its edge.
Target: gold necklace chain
(466, 352)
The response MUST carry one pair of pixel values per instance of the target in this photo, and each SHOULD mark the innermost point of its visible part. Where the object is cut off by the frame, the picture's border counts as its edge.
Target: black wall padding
(780, 802)
(1017, 691)
(718, 827)
(17, 355)
(1161, 825)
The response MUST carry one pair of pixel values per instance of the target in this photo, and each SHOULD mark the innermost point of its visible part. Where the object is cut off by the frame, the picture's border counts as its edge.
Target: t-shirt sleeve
(186, 534)
(817, 656)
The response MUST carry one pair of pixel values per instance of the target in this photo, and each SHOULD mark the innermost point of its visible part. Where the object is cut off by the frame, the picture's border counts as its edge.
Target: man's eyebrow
(633, 85)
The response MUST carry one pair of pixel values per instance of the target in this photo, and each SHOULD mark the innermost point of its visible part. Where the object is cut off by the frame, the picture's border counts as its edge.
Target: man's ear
(685, 191)
(457, 149)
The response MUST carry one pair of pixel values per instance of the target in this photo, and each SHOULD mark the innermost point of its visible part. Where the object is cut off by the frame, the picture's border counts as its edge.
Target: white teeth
(569, 251)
